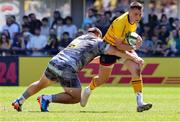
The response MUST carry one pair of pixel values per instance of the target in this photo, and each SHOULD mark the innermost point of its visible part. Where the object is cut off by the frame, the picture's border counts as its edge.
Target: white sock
(139, 98)
(48, 97)
(89, 88)
(21, 100)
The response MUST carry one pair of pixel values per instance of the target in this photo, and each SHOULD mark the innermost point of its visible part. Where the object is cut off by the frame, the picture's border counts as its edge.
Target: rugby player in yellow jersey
(116, 36)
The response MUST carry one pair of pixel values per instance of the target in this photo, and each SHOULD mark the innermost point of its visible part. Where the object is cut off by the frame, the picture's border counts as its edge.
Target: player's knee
(76, 96)
(38, 84)
(136, 70)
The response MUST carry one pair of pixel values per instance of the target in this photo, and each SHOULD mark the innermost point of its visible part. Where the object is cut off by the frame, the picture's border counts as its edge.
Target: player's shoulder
(122, 17)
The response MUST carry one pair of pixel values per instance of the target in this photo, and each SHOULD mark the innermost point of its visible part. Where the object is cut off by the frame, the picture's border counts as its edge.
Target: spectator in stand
(146, 48)
(171, 43)
(26, 33)
(90, 17)
(56, 15)
(11, 27)
(159, 47)
(59, 27)
(18, 45)
(164, 21)
(123, 5)
(45, 27)
(152, 21)
(146, 30)
(52, 46)
(107, 21)
(86, 27)
(15, 22)
(4, 45)
(25, 28)
(103, 21)
(178, 43)
(70, 27)
(65, 40)
(117, 14)
(99, 22)
(25, 21)
(163, 34)
(34, 23)
(52, 32)
(155, 42)
(80, 32)
(176, 24)
(155, 31)
(37, 43)
(171, 21)
(6, 32)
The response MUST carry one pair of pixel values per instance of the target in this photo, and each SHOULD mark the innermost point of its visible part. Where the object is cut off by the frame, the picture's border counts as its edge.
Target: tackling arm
(125, 54)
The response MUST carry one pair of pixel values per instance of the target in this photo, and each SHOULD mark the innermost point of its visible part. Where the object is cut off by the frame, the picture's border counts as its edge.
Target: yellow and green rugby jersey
(119, 28)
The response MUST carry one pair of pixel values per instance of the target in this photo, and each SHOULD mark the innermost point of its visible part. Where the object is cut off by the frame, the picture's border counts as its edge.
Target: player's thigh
(44, 81)
(133, 67)
(71, 83)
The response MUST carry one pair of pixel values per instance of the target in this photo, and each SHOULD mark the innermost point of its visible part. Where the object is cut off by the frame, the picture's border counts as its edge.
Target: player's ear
(98, 35)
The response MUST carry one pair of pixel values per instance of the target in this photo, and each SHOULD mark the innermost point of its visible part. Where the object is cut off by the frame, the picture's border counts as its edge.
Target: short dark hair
(65, 33)
(136, 5)
(45, 19)
(69, 18)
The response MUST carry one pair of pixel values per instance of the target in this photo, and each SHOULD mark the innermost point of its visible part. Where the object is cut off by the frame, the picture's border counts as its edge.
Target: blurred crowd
(34, 37)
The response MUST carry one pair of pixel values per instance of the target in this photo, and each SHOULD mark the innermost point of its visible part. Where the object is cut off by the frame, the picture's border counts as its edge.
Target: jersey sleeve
(103, 47)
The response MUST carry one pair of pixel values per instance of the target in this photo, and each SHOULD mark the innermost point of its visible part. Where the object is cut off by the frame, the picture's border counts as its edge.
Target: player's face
(135, 15)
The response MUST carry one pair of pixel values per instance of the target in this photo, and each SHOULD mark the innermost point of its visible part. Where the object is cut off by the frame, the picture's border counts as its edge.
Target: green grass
(112, 103)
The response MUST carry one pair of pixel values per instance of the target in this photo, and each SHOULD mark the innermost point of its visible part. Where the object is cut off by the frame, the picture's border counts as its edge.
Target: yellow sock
(92, 84)
(137, 85)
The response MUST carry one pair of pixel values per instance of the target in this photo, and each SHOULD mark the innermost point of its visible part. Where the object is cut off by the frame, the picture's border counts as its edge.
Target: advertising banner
(155, 71)
(9, 71)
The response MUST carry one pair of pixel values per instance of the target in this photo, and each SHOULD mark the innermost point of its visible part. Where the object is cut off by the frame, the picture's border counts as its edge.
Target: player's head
(135, 12)
(96, 31)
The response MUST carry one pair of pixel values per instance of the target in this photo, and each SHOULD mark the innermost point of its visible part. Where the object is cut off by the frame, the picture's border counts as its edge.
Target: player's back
(81, 51)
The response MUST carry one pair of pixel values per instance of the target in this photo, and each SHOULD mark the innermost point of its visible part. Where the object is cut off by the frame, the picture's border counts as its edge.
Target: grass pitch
(107, 103)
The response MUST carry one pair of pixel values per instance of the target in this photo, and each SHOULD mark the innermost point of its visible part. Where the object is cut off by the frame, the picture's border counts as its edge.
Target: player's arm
(125, 54)
(121, 46)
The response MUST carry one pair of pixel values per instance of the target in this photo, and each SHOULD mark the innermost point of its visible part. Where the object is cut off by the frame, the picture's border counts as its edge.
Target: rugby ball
(131, 39)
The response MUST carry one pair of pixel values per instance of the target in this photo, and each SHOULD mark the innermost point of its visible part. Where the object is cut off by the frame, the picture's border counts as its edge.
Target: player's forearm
(124, 47)
(123, 54)
(126, 55)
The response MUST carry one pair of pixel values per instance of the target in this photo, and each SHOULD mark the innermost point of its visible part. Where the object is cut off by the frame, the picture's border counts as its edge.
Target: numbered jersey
(81, 51)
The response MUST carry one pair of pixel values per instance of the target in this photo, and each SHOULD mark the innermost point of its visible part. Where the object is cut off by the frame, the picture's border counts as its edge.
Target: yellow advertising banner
(155, 71)
(166, 68)
(31, 69)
